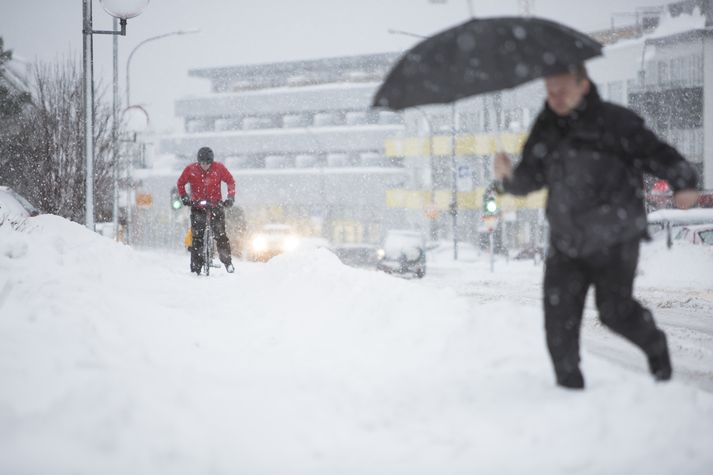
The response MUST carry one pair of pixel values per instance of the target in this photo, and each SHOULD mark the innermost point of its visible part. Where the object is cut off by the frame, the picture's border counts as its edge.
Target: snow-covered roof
(681, 216)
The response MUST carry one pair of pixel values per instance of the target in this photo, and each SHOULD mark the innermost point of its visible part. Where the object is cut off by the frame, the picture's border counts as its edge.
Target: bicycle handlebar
(206, 204)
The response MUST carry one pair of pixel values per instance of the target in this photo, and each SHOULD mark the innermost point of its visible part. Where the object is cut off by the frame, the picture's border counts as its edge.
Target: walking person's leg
(565, 289)
(613, 275)
(221, 239)
(198, 223)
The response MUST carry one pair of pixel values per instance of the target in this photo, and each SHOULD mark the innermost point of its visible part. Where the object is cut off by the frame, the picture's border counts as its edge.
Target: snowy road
(115, 361)
(685, 314)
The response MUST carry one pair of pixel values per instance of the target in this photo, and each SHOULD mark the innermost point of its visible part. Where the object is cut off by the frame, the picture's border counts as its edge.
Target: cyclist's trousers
(198, 223)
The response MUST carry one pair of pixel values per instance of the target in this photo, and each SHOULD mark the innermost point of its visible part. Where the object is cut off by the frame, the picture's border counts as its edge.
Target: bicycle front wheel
(207, 243)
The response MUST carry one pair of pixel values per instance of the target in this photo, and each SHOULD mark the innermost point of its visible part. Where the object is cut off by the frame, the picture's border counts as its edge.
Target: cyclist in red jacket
(205, 178)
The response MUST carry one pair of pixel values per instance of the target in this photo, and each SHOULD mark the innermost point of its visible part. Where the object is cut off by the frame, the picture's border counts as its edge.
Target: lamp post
(147, 40)
(129, 106)
(115, 132)
(123, 10)
(453, 207)
(137, 122)
(454, 183)
(432, 177)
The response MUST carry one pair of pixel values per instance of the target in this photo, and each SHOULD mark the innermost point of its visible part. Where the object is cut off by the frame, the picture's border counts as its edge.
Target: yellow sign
(414, 199)
(144, 200)
(465, 144)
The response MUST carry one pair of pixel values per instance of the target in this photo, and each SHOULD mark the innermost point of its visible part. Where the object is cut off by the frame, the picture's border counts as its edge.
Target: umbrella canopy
(480, 56)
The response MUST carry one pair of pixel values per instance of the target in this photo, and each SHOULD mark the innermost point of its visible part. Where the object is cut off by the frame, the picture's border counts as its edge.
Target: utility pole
(454, 183)
(115, 131)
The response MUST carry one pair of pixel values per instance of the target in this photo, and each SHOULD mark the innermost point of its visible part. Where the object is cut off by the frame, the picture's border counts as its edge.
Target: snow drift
(117, 361)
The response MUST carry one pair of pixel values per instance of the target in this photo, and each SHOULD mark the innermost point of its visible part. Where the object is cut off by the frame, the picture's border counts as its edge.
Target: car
(667, 223)
(531, 252)
(357, 254)
(271, 240)
(404, 253)
(12, 204)
(697, 234)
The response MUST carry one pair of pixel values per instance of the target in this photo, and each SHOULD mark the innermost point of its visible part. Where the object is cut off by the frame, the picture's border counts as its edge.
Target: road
(686, 315)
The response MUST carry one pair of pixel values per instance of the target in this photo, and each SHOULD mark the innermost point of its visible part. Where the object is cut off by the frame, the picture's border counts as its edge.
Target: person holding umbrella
(591, 156)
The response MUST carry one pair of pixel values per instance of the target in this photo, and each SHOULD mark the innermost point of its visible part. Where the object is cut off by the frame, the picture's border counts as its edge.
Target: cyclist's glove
(229, 202)
(186, 200)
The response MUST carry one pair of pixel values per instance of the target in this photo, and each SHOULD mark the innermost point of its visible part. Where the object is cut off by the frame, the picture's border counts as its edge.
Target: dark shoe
(571, 380)
(195, 268)
(229, 268)
(660, 364)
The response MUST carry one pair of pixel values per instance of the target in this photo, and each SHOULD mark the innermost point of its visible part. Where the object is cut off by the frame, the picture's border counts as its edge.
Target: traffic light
(175, 199)
(490, 203)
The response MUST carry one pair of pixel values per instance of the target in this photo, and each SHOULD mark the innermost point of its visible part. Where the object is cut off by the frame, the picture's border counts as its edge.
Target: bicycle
(207, 251)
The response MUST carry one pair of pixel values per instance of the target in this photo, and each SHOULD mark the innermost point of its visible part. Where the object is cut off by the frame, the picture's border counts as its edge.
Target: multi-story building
(301, 141)
(662, 67)
(305, 146)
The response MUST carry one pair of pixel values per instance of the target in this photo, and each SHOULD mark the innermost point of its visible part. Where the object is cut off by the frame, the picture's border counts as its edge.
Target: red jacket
(206, 185)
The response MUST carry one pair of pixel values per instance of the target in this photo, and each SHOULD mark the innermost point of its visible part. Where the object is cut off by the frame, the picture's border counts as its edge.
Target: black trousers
(567, 281)
(198, 224)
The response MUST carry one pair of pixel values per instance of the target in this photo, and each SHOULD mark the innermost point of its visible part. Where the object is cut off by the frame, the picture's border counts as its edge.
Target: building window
(295, 120)
(663, 77)
(356, 118)
(388, 118)
(326, 119)
(277, 161)
(337, 160)
(254, 123)
(305, 161)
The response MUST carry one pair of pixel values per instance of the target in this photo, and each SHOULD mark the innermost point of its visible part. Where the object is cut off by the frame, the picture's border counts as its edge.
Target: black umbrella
(483, 55)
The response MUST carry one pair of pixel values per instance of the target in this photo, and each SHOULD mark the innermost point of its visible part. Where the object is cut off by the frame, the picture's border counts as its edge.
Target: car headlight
(290, 243)
(380, 253)
(259, 244)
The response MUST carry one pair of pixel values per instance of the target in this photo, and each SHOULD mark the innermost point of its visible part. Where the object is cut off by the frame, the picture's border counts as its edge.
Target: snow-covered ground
(115, 361)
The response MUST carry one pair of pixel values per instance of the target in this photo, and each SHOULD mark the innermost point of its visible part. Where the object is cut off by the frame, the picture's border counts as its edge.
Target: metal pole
(492, 250)
(129, 190)
(454, 183)
(131, 55)
(115, 132)
(88, 114)
(432, 175)
(128, 104)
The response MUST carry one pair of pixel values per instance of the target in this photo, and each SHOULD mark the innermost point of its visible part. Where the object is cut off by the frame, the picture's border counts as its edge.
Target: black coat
(592, 163)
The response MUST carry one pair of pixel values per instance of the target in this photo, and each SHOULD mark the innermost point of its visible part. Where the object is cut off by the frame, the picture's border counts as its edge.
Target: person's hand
(684, 199)
(502, 166)
(186, 200)
(228, 203)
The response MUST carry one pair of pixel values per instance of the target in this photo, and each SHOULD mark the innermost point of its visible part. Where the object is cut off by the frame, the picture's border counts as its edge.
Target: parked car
(271, 240)
(357, 255)
(531, 252)
(403, 252)
(15, 205)
(697, 234)
(667, 223)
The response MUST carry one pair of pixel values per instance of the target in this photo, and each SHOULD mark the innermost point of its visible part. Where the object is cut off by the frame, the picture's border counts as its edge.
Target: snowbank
(116, 361)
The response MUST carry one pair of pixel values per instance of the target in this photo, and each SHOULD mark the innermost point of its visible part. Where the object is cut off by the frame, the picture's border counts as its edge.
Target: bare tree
(53, 165)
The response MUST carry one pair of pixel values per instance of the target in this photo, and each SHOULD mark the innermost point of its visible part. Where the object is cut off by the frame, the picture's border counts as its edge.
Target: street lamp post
(115, 132)
(123, 10)
(432, 175)
(454, 183)
(129, 106)
(453, 207)
(131, 55)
